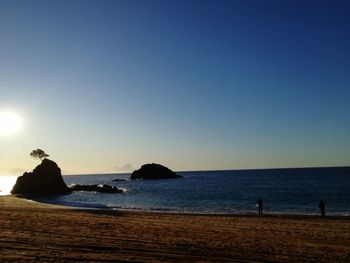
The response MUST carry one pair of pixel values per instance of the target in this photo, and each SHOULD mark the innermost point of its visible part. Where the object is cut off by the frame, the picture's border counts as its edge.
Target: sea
(283, 191)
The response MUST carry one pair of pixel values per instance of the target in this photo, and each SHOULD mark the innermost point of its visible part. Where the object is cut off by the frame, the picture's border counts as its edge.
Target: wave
(71, 203)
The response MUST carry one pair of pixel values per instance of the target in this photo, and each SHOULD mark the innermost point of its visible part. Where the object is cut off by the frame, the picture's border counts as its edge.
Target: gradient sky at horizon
(105, 86)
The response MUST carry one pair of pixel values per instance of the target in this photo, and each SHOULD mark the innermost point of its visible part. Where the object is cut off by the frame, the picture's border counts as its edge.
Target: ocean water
(284, 191)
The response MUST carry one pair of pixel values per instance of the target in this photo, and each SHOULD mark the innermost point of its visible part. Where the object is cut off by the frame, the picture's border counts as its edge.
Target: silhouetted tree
(38, 153)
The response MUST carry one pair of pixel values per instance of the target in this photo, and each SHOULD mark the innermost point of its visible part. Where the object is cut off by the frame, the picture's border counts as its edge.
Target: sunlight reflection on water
(6, 184)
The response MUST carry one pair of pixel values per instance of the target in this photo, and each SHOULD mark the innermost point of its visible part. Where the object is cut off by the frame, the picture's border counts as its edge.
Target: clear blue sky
(105, 86)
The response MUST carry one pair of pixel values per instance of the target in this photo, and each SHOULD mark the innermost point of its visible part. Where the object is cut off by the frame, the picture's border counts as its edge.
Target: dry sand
(37, 232)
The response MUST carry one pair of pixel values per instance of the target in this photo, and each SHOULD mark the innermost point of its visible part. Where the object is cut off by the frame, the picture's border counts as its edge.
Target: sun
(10, 123)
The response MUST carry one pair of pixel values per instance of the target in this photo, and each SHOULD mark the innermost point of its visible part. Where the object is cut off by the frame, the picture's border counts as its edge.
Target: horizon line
(223, 170)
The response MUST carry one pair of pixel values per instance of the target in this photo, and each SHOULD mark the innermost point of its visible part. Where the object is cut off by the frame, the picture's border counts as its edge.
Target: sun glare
(10, 123)
(6, 184)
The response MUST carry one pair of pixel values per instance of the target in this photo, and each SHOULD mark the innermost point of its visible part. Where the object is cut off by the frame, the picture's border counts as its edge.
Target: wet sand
(35, 232)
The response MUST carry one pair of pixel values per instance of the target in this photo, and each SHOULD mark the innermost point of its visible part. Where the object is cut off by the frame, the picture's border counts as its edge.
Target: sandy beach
(39, 232)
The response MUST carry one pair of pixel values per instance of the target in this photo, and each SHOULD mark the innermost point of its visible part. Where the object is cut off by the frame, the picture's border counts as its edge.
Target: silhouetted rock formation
(118, 180)
(46, 179)
(153, 171)
(96, 188)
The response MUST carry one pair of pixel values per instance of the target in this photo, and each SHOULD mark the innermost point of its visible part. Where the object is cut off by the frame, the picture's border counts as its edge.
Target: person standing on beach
(259, 204)
(322, 207)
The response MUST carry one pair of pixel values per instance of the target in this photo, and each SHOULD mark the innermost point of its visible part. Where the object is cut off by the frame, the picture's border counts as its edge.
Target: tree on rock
(38, 153)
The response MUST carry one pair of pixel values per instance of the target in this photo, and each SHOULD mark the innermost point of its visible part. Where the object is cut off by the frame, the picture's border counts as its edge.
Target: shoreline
(42, 232)
(173, 212)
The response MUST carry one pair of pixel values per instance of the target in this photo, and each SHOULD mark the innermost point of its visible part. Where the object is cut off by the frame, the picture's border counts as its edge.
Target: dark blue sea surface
(284, 191)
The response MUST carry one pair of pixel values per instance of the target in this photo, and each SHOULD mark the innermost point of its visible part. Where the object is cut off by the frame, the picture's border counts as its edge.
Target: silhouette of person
(322, 207)
(259, 204)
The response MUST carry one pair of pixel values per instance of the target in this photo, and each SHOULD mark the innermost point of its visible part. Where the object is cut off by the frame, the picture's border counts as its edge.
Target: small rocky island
(153, 171)
(46, 180)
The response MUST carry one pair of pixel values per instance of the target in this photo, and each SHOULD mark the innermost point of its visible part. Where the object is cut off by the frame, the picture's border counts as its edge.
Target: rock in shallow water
(153, 171)
(96, 188)
(46, 179)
